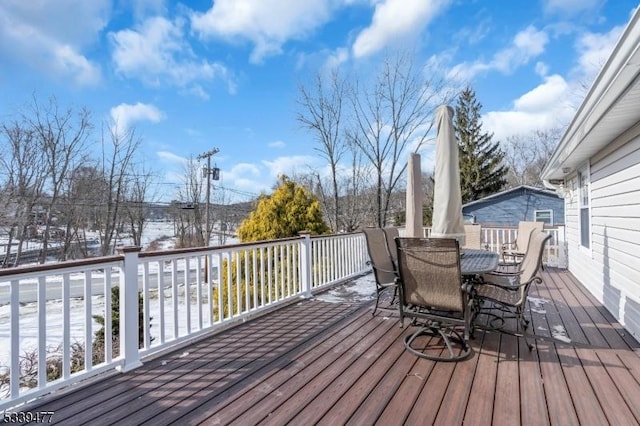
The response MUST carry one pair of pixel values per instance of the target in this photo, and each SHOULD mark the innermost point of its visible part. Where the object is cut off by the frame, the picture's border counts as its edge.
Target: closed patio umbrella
(415, 195)
(447, 197)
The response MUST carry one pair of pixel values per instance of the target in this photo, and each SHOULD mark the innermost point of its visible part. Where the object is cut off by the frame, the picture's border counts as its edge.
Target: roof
(608, 110)
(510, 190)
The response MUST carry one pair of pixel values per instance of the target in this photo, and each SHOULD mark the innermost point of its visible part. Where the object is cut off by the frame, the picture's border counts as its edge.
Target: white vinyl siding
(611, 269)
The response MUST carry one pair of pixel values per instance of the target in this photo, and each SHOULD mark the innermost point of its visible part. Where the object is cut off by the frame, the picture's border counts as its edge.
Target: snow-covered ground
(160, 233)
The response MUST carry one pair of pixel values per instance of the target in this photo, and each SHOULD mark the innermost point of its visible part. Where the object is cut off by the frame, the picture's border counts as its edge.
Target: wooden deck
(334, 363)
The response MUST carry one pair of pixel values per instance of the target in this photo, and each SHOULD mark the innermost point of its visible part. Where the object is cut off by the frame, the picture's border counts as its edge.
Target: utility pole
(208, 172)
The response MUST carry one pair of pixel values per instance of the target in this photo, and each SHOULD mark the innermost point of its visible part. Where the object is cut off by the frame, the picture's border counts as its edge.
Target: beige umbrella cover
(415, 196)
(447, 197)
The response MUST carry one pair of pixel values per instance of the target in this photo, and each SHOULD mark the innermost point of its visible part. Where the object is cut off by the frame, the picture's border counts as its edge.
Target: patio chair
(472, 237)
(513, 252)
(508, 290)
(390, 234)
(433, 295)
(380, 259)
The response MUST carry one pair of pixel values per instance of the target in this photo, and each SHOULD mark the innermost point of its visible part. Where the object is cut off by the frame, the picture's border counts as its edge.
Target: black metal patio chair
(384, 270)
(508, 290)
(434, 296)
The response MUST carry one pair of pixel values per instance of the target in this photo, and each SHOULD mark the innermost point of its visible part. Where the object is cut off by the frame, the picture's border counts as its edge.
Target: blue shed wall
(510, 208)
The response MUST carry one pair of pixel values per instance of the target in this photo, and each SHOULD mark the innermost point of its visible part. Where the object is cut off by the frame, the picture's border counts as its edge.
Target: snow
(537, 304)
(160, 232)
(54, 321)
(359, 290)
(558, 332)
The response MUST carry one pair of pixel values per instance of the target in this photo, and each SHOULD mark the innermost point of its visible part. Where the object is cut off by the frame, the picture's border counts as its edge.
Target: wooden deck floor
(334, 363)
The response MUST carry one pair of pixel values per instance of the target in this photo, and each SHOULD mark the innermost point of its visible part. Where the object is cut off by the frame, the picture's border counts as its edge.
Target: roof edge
(599, 99)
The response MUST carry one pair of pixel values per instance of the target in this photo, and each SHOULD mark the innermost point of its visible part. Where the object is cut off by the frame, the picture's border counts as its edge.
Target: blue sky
(200, 74)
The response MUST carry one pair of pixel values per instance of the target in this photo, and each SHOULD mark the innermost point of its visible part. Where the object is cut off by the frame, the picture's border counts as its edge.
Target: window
(545, 216)
(583, 188)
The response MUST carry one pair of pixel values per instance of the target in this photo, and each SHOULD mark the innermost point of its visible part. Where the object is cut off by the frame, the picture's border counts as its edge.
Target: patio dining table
(474, 262)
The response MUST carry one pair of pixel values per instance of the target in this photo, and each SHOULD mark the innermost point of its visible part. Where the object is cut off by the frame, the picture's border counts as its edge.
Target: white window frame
(584, 204)
(550, 211)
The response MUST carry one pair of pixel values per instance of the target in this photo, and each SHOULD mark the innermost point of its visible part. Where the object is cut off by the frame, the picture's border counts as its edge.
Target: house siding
(611, 268)
(512, 207)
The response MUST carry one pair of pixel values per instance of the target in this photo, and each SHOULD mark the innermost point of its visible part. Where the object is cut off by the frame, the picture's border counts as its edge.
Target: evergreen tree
(482, 169)
(286, 212)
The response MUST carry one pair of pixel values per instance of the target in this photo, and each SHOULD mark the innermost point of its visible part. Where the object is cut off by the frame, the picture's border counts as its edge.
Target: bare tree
(187, 211)
(322, 113)
(526, 155)
(354, 183)
(80, 208)
(222, 214)
(22, 163)
(62, 135)
(118, 150)
(391, 115)
(139, 190)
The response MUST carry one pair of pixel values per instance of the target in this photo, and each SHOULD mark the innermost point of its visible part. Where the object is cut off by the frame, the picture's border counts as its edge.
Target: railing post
(129, 327)
(305, 263)
(562, 247)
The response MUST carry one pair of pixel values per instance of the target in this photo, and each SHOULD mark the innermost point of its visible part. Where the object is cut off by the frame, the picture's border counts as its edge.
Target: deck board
(316, 362)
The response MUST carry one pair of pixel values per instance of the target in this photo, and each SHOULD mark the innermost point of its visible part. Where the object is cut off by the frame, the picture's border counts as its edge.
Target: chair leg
(523, 324)
(375, 308)
(395, 293)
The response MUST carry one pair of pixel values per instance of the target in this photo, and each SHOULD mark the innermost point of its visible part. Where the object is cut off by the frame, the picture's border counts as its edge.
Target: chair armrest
(500, 273)
(385, 270)
(513, 287)
(508, 245)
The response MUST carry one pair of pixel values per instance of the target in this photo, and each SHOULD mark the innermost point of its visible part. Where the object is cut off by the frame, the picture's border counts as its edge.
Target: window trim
(584, 171)
(550, 211)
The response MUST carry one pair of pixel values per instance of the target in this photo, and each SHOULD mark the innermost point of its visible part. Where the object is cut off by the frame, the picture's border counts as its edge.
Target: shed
(509, 207)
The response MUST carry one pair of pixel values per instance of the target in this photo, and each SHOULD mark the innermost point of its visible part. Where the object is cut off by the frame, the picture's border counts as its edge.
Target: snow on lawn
(54, 320)
(160, 234)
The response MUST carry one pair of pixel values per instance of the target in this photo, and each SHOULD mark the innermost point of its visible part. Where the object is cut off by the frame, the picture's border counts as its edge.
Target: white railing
(555, 251)
(49, 320)
(493, 238)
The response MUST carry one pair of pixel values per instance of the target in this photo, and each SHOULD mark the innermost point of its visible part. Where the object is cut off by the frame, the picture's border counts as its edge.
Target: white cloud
(336, 58)
(543, 96)
(268, 24)
(169, 157)
(553, 103)
(158, 53)
(49, 38)
(246, 177)
(542, 69)
(394, 21)
(570, 7)
(526, 45)
(594, 49)
(124, 115)
(145, 8)
(289, 165)
(545, 107)
(242, 170)
(277, 144)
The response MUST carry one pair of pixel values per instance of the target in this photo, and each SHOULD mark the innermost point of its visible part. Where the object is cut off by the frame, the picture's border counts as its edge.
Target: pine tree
(482, 169)
(287, 211)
